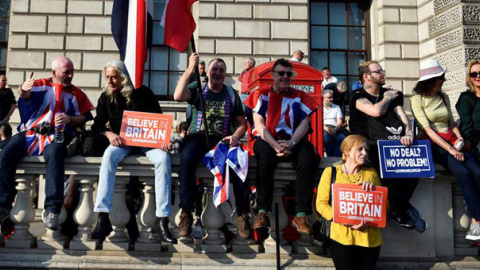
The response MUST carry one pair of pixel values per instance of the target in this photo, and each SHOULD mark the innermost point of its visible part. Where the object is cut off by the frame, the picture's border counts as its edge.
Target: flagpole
(200, 93)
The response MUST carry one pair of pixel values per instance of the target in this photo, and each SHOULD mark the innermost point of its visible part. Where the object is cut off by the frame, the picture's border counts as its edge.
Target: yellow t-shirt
(369, 237)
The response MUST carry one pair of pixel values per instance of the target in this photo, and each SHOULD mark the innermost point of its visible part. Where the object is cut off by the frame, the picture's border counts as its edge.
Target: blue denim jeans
(467, 174)
(332, 144)
(54, 155)
(163, 178)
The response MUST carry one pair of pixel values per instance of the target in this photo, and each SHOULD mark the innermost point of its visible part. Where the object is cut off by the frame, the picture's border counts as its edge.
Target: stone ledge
(35, 259)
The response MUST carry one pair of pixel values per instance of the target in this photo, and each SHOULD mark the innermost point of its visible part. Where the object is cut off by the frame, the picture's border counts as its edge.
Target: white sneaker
(474, 233)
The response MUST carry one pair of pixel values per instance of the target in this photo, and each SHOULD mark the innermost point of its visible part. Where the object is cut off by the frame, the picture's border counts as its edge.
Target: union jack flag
(46, 99)
(218, 160)
(282, 112)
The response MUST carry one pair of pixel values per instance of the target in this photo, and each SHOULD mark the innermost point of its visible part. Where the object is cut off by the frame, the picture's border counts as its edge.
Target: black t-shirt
(215, 104)
(6, 100)
(386, 127)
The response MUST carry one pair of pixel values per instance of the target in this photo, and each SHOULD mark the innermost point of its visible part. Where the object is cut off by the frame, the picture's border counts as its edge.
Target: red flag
(178, 23)
(131, 29)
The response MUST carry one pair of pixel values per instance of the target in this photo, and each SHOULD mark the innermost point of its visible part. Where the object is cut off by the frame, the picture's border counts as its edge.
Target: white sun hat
(430, 68)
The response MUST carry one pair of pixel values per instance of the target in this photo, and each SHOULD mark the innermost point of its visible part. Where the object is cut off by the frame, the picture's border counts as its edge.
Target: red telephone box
(305, 78)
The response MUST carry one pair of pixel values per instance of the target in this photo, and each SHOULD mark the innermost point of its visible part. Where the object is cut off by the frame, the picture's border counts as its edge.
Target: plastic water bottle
(198, 236)
(59, 136)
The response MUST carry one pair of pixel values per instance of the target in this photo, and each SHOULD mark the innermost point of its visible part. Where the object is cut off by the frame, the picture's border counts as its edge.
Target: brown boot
(186, 222)
(302, 225)
(261, 221)
(244, 226)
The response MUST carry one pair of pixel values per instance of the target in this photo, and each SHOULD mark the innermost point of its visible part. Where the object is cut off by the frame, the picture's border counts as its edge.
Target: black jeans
(400, 190)
(54, 155)
(194, 150)
(304, 160)
(353, 257)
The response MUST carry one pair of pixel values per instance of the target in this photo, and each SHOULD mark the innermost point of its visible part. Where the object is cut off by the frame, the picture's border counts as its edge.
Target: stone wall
(262, 29)
(43, 29)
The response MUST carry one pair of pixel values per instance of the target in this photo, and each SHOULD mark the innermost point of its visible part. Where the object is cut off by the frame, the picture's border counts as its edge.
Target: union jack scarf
(218, 161)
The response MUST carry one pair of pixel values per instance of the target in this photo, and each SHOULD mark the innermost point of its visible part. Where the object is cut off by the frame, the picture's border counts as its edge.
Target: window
(4, 19)
(164, 65)
(338, 37)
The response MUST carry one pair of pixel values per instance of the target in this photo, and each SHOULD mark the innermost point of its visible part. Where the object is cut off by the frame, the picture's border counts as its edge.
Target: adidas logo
(396, 132)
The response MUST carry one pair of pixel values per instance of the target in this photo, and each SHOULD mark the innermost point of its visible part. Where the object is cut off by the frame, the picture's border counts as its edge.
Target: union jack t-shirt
(41, 108)
(282, 112)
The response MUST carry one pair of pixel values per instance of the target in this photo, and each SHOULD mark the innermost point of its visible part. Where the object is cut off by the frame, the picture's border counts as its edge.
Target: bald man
(7, 100)
(42, 104)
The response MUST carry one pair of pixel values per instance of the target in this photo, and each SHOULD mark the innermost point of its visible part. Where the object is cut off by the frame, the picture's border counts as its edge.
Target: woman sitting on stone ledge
(118, 96)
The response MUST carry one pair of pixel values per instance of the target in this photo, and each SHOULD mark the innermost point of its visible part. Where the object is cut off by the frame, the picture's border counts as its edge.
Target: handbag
(321, 227)
(93, 144)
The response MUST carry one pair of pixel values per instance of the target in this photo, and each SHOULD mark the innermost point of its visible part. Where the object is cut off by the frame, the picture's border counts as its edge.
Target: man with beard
(223, 108)
(377, 113)
(48, 102)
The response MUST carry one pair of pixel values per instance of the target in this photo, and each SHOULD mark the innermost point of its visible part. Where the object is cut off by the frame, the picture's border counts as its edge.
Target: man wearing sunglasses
(377, 113)
(281, 120)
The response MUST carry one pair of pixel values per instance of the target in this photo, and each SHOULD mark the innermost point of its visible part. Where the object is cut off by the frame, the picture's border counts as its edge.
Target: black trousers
(194, 150)
(353, 257)
(304, 159)
(400, 190)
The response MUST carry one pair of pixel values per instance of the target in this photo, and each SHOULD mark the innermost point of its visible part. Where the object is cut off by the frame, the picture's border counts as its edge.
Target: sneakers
(401, 220)
(302, 225)
(185, 225)
(261, 221)
(51, 220)
(244, 226)
(474, 232)
(418, 223)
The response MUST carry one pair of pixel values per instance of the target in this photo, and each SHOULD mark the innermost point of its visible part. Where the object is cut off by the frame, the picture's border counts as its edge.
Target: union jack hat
(430, 68)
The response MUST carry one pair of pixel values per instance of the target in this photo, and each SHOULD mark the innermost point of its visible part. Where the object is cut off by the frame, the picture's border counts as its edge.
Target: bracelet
(293, 141)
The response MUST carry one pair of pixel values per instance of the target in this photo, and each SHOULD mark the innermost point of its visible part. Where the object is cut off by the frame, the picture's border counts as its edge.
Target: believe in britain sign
(146, 129)
(399, 161)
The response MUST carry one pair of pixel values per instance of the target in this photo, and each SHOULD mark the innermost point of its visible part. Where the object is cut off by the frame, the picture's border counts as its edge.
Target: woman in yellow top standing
(352, 246)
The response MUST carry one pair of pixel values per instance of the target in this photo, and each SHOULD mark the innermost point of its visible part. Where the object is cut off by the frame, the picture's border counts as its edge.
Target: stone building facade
(400, 34)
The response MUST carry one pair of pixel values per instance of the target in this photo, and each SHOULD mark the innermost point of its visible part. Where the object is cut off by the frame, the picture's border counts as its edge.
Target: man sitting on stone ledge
(47, 102)
(226, 121)
(281, 118)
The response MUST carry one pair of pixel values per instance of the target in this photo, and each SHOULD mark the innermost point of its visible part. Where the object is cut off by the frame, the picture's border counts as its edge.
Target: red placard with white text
(351, 203)
(146, 129)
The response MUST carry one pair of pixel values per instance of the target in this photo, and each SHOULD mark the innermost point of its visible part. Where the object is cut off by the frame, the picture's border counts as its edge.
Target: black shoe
(161, 228)
(102, 229)
(401, 220)
(51, 220)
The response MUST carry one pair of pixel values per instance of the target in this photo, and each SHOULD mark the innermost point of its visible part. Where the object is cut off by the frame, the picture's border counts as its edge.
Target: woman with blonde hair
(352, 246)
(431, 108)
(468, 108)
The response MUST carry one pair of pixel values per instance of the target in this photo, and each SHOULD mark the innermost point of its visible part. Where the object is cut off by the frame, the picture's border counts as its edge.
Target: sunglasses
(282, 73)
(474, 74)
(380, 71)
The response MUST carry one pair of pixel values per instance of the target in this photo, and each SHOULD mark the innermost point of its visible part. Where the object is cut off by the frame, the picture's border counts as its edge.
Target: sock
(301, 214)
